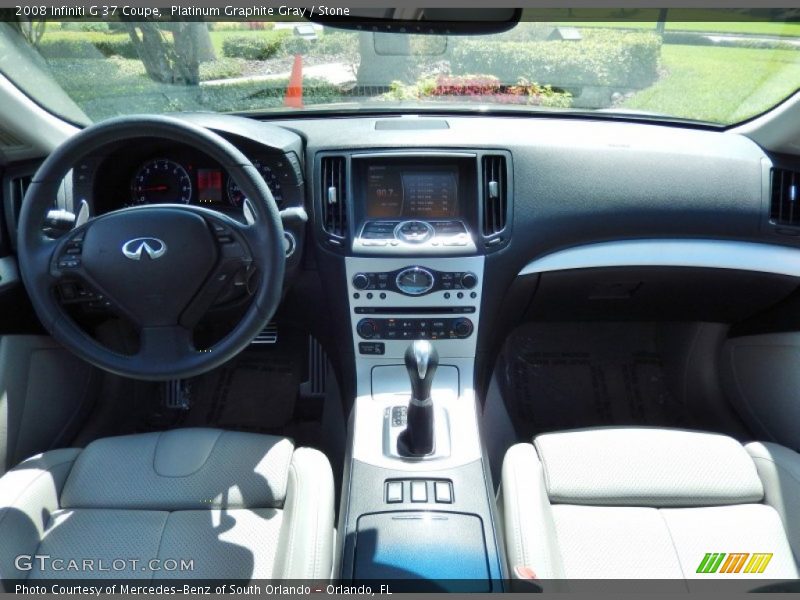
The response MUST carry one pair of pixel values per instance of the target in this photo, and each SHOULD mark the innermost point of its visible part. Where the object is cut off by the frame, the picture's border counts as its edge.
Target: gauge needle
(155, 188)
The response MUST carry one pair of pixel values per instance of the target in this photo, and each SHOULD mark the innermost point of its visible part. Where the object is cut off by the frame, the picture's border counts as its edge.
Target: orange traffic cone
(294, 92)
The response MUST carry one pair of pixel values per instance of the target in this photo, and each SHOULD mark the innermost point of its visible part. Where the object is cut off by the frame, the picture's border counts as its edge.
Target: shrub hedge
(254, 47)
(603, 58)
(86, 45)
(479, 88)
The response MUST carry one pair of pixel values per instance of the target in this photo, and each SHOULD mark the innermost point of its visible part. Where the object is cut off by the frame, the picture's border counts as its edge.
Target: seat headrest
(181, 469)
(646, 467)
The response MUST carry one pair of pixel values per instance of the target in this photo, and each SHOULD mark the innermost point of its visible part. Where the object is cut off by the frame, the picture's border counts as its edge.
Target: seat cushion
(192, 503)
(181, 469)
(647, 467)
(640, 503)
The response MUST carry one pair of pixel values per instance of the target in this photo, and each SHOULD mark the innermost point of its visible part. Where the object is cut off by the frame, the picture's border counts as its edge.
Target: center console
(418, 504)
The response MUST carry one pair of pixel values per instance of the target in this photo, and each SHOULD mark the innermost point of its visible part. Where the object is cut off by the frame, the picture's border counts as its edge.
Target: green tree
(176, 61)
(31, 29)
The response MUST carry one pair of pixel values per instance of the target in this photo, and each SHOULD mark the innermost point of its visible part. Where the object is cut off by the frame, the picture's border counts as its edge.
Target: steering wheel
(161, 266)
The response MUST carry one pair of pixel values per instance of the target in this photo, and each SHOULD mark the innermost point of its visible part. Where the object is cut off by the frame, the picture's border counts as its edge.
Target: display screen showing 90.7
(413, 192)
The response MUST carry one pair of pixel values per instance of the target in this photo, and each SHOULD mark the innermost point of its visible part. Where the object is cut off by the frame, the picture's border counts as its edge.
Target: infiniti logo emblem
(153, 247)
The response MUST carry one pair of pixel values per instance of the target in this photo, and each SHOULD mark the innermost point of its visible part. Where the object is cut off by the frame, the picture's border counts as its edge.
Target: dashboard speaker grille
(784, 209)
(495, 200)
(333, 194)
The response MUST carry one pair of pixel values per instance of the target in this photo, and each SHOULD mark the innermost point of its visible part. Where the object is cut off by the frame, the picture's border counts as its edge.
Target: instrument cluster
(166, 180)
(168, 173)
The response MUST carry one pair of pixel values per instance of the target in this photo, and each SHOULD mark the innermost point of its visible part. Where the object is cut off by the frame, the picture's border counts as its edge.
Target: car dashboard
(455, 229)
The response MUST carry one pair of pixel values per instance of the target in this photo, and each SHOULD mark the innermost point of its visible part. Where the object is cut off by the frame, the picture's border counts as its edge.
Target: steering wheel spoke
(164, 344)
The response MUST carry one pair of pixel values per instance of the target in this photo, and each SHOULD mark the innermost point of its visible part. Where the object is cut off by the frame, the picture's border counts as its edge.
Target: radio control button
(360, 281)
(469, 280)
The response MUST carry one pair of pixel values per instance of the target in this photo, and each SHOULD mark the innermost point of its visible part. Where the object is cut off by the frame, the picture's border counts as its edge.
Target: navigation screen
(414, 192)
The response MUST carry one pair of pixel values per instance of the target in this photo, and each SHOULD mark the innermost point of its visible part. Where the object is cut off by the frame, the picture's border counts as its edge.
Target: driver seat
(187, 503)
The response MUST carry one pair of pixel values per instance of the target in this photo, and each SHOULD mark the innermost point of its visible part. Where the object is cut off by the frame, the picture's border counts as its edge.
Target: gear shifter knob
(421, 361)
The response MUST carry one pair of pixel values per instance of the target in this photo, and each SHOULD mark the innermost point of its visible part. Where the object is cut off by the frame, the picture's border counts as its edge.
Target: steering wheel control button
(419, 491)
(394, 492)
(372, 348)
(69, 262)
(443, 492)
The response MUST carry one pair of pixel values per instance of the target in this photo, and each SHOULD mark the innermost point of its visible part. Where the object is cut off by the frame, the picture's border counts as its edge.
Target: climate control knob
(367, 328)
(462, 328)
(360, 281)
(469, 280)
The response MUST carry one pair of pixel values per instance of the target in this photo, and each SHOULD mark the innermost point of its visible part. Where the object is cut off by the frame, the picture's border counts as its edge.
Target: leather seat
(647, 503)
(230, 505)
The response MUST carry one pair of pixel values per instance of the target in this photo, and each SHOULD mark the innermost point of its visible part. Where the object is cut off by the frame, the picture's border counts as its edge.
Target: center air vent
(333, 194)
(783, 207)
(495, 194)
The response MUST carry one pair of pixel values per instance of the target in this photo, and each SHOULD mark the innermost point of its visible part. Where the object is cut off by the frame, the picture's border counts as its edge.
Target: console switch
(443, 492)
(394, 492)
(419, 491)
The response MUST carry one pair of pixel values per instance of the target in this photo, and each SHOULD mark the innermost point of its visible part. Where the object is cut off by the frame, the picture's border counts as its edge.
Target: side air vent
(19, 185)
(783, 207)
(333, 188)
(14, 189)
(495, 194)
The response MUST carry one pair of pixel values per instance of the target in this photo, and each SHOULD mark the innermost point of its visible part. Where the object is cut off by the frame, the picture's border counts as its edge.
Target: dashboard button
(442, 492)
(419, 491)
(360, 281)
(469, 280)
(367, 328)
(394, 492)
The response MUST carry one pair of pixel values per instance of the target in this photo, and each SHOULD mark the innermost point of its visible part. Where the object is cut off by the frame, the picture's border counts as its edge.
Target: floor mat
(255, 391)
(562, 376)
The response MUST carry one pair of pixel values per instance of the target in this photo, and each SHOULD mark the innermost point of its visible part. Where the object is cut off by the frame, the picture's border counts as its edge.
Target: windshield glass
(719, 72)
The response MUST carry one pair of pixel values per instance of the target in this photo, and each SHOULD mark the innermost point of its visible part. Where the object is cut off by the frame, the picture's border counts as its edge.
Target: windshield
(719, 72)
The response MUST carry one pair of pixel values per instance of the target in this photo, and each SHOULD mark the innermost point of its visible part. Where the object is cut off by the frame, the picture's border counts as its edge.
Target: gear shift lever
(421, 362)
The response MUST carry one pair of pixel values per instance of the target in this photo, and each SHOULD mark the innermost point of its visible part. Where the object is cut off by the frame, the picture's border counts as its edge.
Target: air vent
(495, 201)
(19, 185)
(334, 195)
(783, 208)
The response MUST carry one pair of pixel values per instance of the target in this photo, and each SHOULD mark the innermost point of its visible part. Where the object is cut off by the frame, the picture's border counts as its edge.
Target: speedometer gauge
(161, 181)
(236, 196)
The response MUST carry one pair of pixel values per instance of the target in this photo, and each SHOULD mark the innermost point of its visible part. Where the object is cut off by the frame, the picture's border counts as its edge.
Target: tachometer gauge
(161, 181)
(236, 197)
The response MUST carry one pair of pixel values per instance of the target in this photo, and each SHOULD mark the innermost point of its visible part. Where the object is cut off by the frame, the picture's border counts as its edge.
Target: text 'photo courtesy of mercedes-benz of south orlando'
(363, 299)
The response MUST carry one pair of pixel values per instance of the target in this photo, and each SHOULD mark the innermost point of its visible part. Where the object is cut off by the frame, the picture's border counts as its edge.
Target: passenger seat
(649, 503)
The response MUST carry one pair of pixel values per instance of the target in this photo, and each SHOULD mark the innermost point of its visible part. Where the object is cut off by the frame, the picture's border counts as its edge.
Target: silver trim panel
(711, 254)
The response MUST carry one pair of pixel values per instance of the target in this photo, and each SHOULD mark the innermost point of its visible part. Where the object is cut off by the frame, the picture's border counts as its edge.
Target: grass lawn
(748, 27)
(723, 85)
(708, 20)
